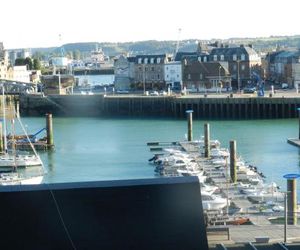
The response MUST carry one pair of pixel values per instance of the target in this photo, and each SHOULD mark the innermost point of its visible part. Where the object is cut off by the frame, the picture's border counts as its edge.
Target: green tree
(36, 64)
(28, 61)
(76, 54)
(20, 62)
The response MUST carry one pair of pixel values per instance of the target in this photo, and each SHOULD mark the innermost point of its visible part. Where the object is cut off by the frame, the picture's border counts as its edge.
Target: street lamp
(238, 75)
(220, 79)
(144, 79)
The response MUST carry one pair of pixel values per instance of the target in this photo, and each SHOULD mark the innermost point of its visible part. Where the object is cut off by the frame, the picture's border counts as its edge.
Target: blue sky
(35, 23)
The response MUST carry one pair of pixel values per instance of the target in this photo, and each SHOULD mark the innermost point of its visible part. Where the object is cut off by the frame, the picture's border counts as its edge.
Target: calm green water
(88, 149)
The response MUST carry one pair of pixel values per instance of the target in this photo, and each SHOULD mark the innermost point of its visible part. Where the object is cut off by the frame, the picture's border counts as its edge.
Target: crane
(178, 40)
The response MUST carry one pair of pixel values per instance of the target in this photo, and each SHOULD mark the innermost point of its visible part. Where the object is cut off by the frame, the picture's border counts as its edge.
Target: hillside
(261, 44)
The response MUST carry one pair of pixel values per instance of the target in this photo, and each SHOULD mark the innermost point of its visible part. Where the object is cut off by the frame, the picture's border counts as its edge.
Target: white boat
(269, 194)
(13, 161)
(17, 179)
(10, 162)
(212, 202)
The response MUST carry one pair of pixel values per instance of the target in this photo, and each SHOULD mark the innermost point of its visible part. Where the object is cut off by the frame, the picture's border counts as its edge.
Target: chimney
(242, 45)
(250, 45)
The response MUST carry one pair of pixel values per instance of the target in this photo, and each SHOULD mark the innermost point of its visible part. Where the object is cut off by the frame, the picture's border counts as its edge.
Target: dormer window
(215, 58)
(199, 58)
(234, 57)
(222, 57)
(158, 60)
(139, 60)
(146, 60)
(243, 57)
(152, 60)
(205, 59)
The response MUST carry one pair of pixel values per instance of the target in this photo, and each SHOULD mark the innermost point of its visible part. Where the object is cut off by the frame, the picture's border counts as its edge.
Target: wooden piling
(190, 124)
(233, 172)
(292, 201)
(299, 122)
(49, 128)
(206, 140)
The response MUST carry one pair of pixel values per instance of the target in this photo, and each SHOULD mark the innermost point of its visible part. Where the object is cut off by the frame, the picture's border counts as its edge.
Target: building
(124, 72)
(283, 66)
(173, 74)
(206, 76)
(241, 60)
(3, 62)
(21, 74)
(20, 53)
(149, 72)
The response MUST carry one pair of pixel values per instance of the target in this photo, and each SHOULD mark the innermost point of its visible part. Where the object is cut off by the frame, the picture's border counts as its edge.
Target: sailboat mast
(4, 120)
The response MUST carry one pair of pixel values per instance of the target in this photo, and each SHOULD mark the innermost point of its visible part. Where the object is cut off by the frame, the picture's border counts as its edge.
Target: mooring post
(233, 174)
(299, 122)
(49, 128)
(1, 139)
(190, 124)
(291, 198)
(206, 140)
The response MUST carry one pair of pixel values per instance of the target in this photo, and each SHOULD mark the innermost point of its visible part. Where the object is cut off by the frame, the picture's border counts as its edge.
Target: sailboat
(10, 161)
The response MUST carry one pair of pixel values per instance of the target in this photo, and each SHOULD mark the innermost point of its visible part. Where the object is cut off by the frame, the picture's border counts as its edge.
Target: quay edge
(160, 106)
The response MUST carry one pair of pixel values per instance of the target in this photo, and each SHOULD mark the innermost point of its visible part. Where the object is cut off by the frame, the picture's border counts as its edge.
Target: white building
(60, 61)
(21, 74)
(173, 73)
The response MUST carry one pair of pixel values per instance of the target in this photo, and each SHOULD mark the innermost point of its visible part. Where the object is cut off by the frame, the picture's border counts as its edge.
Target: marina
(238, 192)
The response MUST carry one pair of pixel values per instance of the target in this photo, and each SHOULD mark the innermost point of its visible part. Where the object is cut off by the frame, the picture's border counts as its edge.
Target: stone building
(124, 72)
(149, 72)
(283, 66)
(241, 61)
(206, 76)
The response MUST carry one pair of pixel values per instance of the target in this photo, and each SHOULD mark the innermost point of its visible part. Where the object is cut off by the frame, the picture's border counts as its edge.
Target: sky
(36, 23)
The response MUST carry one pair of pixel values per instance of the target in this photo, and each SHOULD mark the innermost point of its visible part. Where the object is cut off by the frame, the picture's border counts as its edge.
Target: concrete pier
(221, 107)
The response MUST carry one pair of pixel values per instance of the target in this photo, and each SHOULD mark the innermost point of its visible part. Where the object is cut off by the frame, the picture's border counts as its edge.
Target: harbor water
(90, 149)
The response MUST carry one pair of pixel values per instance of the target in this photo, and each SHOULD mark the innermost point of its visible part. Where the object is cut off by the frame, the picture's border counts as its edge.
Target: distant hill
(261, 44)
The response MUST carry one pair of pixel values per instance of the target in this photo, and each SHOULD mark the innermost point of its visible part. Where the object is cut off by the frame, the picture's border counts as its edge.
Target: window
(205, 59)
(222, 57)
(189, 76)
(243, 67)
(199, 58)
(152, 60)
(243, 57)
(201, 76)
(215, 58)
(146, 60)
(158, 76)
(234, 67)
(140, 68)
(152, 68)
(158, 60)
(234, 57)
(139, 60)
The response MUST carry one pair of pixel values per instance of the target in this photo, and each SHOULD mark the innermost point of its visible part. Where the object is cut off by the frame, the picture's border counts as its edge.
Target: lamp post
(238, 75)
(220, 78)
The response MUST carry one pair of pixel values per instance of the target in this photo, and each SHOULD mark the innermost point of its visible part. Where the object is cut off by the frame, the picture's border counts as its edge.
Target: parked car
(284, 86)
(249, 90)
